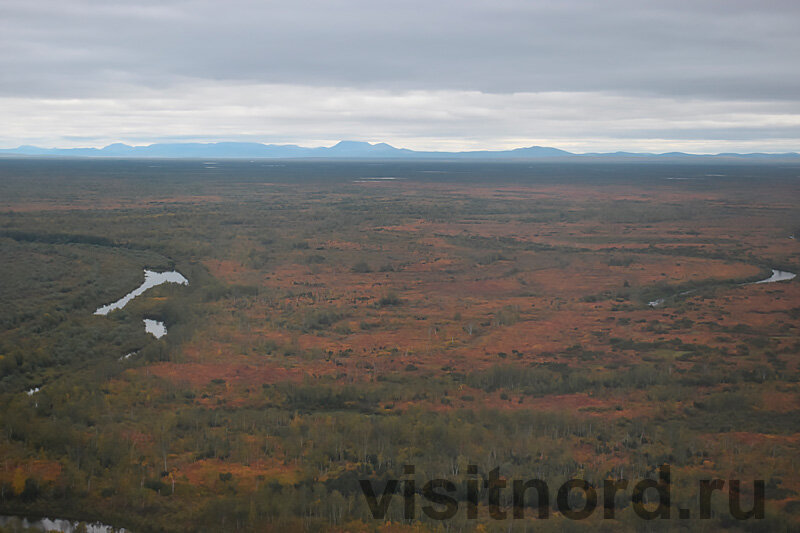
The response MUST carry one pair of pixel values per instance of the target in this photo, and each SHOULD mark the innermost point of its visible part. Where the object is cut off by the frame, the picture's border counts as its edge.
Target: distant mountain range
(345, 150)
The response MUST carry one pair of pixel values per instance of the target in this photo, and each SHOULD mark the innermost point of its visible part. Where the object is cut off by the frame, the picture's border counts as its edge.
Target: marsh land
(344, 319)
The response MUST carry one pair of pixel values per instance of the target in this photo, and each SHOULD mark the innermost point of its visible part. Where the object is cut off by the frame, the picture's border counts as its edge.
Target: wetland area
(332, 321)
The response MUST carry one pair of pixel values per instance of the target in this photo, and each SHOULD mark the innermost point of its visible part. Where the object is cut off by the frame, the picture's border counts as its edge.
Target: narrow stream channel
(777, 275)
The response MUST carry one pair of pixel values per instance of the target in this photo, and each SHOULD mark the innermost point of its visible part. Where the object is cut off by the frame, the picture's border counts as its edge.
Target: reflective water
(777, 275)
(14, 523)
(151, 279)
(154, 327)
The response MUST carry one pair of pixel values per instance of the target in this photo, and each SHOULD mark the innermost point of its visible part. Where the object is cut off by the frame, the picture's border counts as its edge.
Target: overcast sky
(696, 76)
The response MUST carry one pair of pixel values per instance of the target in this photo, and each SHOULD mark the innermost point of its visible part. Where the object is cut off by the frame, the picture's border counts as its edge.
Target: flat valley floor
(345, 319)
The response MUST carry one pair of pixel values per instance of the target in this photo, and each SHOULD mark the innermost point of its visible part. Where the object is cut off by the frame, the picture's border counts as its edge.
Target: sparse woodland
(336, 329)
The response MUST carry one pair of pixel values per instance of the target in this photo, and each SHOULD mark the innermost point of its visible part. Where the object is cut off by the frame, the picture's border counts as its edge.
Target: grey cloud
(446, 119)
(709, 49)
(578, 74)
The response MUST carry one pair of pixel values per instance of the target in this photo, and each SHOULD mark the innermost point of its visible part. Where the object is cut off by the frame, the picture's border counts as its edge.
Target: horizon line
(377, 144)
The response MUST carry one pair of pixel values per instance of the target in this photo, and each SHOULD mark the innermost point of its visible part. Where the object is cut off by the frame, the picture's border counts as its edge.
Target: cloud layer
(580, 75)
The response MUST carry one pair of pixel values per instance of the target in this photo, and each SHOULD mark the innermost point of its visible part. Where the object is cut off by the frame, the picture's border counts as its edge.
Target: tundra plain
(344, 319)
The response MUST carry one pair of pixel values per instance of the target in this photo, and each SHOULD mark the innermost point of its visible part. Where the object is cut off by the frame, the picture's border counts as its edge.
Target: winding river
(777, 275)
